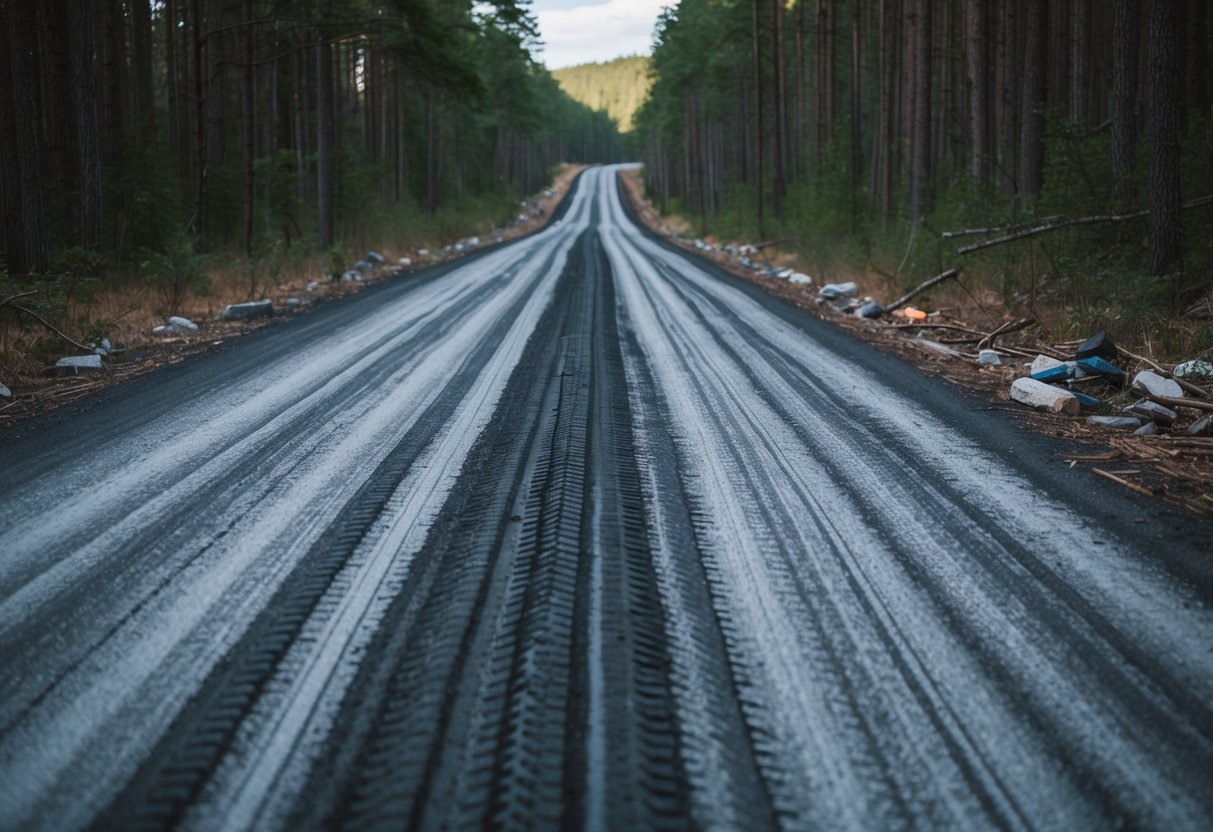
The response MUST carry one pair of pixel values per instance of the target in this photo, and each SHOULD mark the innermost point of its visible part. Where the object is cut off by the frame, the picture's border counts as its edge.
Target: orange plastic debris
(915, 314)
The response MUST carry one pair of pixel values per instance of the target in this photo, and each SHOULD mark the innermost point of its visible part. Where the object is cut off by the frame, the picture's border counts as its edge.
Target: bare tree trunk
(431, 156)
(145, 103)
(1080, 60)
(250, 128)
(759, 139)
(27, 250)
(1162, 103)
(1032, 149)
(920, 184)
(856, 113)
(979, 88)
(778, 183)
(325, 139)
(88, 130)
(1125, 17)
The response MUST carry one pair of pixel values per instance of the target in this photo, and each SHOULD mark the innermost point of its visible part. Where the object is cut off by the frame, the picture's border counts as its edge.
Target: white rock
(423, 252)
(1038, 394)
(80, 362)
(350, 277)
(989, 358)
(375, 257)
(293, 302)
(473, 241)
(798, 277)
(184, 324)
(1044, 362)
(313, 285)
(102, 347)
(405, 261)
(5, 393)
(244, 311)
(1148, 381)
(1193, 369)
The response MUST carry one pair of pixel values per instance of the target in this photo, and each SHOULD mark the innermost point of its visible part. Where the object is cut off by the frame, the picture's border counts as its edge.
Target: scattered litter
(1193, 370)
(915, 314)
(362, 266)
(1202, 426)
(375, 258)
(1148, 429)
(1044, 362)
(801, 278)
(1038, 394)
(175, 325)
(1084, 399)
(244, 311)
(405, 261)
(1095, 364)
(937, 347)
(102, 347)
(1153, 411)
(313, 285)
(423, 252)
(1098, 345)
(989, 358)
(1148, 381)
(832, 291)
(1058, 372)
(871, 309)
(73, 364)
(5, 393)
(351, 277)
(1121, 422)
(293, 302)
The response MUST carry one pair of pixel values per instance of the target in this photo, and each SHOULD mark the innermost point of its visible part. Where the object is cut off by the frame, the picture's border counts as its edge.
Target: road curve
(579, 532)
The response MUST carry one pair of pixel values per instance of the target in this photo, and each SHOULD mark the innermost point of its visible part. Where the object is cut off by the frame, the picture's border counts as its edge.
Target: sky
(580, 31)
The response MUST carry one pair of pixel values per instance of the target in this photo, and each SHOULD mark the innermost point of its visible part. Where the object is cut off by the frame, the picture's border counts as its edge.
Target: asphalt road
(579, 532)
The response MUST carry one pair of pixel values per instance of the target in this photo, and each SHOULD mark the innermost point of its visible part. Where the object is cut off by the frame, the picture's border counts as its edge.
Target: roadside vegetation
(877, 140)
(165, 157)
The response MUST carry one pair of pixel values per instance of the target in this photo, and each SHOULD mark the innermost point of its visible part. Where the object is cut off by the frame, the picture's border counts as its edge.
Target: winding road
(581, 532)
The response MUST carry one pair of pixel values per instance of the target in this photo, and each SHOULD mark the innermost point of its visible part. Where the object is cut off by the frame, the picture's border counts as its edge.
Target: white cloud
(597, 31)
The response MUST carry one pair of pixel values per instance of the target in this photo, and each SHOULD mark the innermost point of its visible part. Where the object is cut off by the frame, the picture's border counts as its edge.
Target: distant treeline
(242, 123)
(619, 86)
(831, 118)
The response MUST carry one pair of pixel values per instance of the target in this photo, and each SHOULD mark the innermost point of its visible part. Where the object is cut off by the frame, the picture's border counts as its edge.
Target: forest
(887, 134)
(141, 132)
(619, 86)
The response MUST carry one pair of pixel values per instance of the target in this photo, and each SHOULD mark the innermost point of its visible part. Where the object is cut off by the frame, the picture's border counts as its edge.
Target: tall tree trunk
(759, 141)
(26, 251)
(920, 184)
(145, 102)
(1162, 103)
(778, 184)
(1032, 121)
(1125, 22)
(1080, 60)
(250, 128)
(979, 88)
(325, 140)
(856, 113)
(81, 45)
(431, 155)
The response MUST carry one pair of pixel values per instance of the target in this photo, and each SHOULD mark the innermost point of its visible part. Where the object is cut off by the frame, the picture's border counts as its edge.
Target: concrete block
(245, 311)
(1038, 394)
(1148, 381)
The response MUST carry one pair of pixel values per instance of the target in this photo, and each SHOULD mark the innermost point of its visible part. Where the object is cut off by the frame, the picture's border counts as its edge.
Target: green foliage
(175, 271)
(619, 87)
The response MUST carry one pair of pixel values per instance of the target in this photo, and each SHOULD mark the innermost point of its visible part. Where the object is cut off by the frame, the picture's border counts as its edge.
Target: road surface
(580, 532)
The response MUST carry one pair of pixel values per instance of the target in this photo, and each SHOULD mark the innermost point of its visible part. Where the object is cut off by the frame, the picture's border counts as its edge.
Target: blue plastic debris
(1097, 365)
(1058, 373)
(1085, 400)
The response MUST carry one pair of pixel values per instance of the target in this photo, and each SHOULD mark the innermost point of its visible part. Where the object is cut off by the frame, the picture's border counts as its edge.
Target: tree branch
(44, 321)
(919, 289)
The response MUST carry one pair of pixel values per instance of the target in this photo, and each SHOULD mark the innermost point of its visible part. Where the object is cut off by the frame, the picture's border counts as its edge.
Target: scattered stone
(1194, 369)
(245, 311)
(1038, 394)
(102, 347)
(362, 266)
(1121, 422)
(475, 241)
(405, 261)
(989, 358)
(375, 258)
(351, 277)
(938, 347)
(1148, 429)
(5, 393)
(1153, 411)
(1148, 381)
(871, 309)
(798, 277)
(183, 324)
(1044, 362)
(423, 252)
(1098, 345)
(1097, 365)
(313, 285)
(293, 302)
(1202, 426)
(838, 290)
(74, 364)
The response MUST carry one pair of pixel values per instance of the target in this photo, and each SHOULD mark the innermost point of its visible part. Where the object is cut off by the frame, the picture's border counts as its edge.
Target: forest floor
(38, 388)
(1171, 466)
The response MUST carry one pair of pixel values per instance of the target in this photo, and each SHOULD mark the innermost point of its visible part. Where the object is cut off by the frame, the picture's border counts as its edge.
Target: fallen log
(919, 289)
(1169, 401)
(1005, 329)
(1057, 226)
